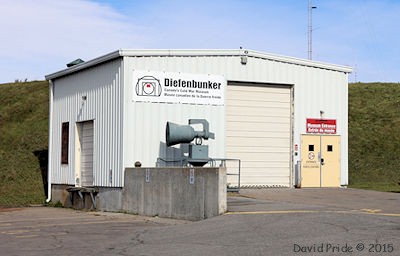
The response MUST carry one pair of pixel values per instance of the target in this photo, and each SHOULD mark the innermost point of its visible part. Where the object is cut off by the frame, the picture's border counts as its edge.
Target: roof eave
(303, 62)
(236, 52)
(84, 65)
(198, 52)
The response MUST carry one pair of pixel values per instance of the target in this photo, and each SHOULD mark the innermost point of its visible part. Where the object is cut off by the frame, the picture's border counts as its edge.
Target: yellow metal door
(310, 165)
(330, 160)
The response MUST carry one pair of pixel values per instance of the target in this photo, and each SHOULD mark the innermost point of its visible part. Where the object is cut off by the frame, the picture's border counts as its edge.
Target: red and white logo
(148, 86)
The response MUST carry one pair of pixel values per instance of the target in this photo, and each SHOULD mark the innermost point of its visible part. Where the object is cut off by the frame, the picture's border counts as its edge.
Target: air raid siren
(177, 134)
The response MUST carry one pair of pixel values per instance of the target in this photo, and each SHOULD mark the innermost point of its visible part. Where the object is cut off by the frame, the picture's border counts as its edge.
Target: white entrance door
(86, 131)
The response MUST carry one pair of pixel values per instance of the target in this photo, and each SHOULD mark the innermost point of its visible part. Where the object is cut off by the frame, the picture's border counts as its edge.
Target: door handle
(322, 161)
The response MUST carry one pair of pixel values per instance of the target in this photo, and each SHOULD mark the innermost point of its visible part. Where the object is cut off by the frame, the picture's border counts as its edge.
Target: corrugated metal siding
(144, 136)
(144, 123)
(102, 87)
(139, 133)
(315, 89)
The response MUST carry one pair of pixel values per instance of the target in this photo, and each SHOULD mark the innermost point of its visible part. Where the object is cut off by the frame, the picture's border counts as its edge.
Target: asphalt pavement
(259, 222)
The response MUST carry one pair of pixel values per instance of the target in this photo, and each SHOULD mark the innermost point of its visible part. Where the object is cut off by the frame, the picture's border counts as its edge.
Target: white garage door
(258, 131)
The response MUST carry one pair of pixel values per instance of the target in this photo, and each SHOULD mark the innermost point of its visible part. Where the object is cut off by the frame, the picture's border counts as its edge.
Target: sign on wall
(169, 87)
(321, 126)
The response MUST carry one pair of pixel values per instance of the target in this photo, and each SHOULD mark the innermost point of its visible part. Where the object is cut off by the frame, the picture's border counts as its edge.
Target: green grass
(23, 137)
(374, 136)
(374, 139)
(379, 186)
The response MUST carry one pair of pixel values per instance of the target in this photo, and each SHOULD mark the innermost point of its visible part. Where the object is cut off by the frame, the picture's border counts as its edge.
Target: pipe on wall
(51, 89)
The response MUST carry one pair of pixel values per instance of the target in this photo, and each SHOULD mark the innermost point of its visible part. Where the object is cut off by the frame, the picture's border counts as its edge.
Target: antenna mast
(310, 7)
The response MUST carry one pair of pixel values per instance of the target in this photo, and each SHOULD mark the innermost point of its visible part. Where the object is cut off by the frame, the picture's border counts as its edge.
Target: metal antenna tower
(310, 7)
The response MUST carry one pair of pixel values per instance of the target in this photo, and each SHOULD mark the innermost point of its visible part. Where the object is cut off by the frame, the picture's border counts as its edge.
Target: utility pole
(310, 7)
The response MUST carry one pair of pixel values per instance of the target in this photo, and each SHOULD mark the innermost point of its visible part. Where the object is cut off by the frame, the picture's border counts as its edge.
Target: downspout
(50, 141)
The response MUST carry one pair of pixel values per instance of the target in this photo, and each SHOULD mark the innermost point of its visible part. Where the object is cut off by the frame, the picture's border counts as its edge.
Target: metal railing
(230, 171)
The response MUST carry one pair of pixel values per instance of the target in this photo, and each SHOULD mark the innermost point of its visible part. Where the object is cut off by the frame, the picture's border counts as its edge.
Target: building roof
(204, 52)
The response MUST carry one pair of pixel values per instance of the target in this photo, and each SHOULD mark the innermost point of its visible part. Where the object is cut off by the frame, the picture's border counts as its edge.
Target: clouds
(55, 25)
(37, 34)
(39, 37)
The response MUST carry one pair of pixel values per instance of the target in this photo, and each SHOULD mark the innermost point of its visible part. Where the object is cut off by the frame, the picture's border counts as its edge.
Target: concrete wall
(164, 192)
(109, 199)
(169, 192)
(60, 194)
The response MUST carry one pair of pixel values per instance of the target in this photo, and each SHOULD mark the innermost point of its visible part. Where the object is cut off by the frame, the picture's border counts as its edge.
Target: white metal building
(265, 111)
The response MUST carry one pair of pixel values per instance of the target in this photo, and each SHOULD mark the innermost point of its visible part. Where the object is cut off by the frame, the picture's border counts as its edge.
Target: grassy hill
(374, 135)
(23, 141)
(374, 139)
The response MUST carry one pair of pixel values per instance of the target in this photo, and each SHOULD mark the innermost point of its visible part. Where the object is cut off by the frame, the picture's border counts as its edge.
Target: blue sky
(39, 37)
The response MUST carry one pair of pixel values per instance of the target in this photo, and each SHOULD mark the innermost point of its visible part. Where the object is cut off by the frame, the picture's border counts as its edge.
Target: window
(64, 142)
(330, 148)
(310, 147)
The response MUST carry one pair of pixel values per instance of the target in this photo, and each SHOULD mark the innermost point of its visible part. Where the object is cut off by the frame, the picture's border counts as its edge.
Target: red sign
(324, 126)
